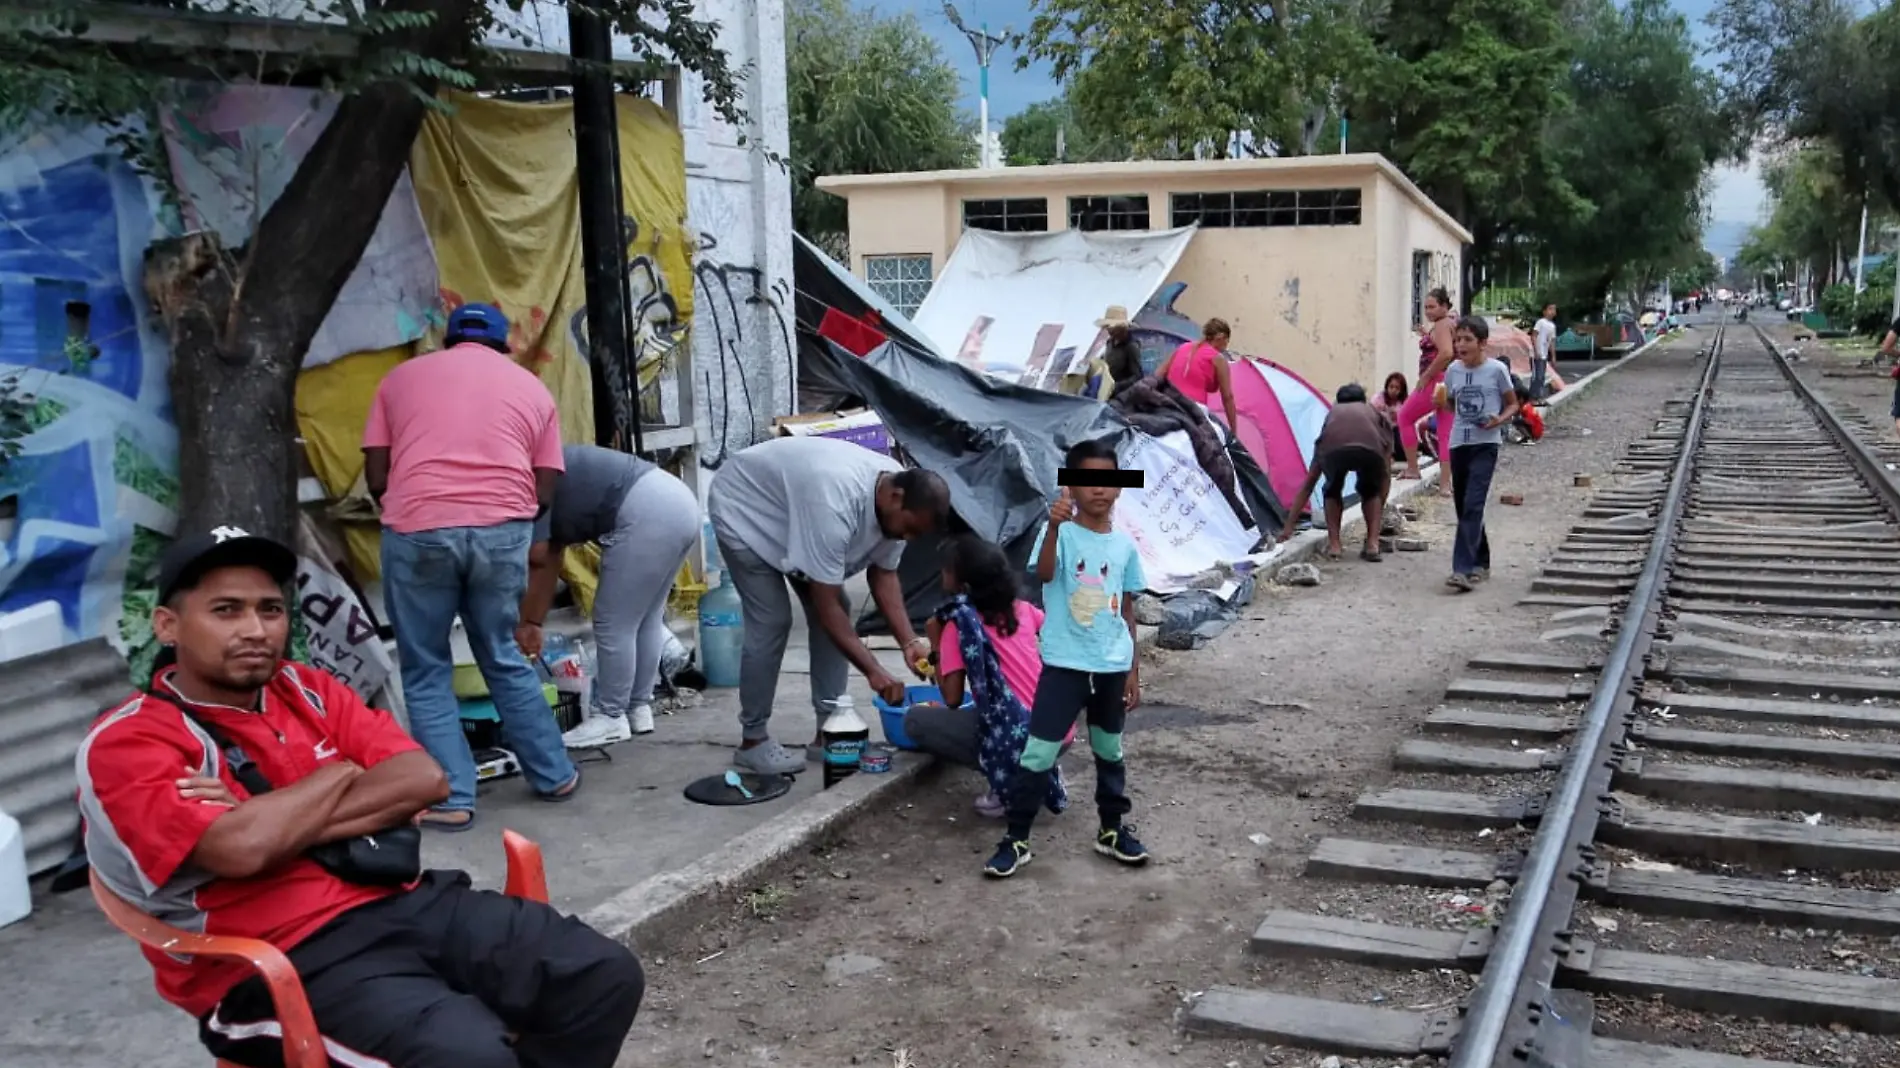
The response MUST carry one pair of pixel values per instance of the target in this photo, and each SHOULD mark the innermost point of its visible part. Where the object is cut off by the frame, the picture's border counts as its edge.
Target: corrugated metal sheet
(47, 703)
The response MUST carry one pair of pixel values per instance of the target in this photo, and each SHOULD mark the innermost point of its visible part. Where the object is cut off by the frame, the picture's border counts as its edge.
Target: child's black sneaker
(1120, 843)
(1011, 854)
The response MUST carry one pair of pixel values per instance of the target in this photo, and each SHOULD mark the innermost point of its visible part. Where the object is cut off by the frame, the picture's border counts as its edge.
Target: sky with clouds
(1738, 196)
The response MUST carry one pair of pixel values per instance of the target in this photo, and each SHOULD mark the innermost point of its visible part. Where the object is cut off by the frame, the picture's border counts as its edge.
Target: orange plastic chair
(303, 1046)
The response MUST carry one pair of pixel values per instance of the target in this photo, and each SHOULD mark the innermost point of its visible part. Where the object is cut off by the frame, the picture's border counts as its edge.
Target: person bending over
(1355, 442)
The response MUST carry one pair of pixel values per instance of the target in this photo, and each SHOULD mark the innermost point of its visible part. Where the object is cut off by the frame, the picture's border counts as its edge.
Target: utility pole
(1860, 259)
(985, 44)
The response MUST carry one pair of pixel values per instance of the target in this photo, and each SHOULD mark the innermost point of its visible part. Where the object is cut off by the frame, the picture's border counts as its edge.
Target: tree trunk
(240, 321)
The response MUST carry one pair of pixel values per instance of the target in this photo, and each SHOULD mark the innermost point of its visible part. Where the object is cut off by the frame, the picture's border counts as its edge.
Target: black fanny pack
(390, 857)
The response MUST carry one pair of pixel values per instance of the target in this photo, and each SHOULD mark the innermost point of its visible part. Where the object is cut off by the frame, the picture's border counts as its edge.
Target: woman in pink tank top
(1434, 355)
(1199, 368)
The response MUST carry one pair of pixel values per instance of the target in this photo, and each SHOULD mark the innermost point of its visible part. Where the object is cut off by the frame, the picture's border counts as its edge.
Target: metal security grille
(1027, 215)
(1267, 207)
(1108, 213)
(904, 281)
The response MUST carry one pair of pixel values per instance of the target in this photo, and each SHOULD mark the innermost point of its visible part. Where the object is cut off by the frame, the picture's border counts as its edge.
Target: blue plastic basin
(893, 715)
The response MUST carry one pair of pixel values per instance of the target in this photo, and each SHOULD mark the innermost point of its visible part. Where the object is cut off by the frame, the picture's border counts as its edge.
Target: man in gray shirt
(809, 513)
(1479, 397)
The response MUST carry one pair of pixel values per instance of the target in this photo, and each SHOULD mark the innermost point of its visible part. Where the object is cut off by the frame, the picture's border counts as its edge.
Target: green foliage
(1637, 144)
(1804, 71)
(1815, 214)
(49, 74)
(1866, 312)
(1697, 275)
(1029, 137)
(866, 94)
(1171, 77)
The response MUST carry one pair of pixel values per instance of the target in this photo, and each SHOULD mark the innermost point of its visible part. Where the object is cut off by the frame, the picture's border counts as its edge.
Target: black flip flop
(446, 827)
(559, 796)
(1369, 556)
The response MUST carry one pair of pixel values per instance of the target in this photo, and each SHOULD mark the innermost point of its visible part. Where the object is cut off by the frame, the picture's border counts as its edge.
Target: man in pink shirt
(463, 450)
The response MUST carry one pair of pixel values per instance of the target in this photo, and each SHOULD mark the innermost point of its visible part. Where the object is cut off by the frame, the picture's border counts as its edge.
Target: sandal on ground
(1369, 556)
(566, 791)
(442, 819)
(1335, 555)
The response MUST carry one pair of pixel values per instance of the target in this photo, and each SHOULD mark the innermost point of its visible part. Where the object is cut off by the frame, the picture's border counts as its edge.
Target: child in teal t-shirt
(1090, 574)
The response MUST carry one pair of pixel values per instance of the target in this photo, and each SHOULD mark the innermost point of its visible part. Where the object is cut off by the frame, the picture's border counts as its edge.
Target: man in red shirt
(429, 974)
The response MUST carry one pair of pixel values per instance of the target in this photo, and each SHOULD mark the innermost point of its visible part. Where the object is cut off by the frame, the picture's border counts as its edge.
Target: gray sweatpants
(765, 602)
(639, 559)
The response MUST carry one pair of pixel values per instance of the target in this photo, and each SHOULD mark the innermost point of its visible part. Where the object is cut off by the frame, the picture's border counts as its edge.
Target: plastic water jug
(16, 900)
(721, 635)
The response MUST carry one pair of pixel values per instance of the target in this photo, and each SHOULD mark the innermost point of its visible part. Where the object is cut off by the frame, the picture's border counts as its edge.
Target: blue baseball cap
(481, 323)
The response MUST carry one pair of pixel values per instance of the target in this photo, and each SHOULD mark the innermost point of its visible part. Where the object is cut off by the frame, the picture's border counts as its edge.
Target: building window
(1108, 213)
(1027, 215)
(903, 281)
(1296, 207)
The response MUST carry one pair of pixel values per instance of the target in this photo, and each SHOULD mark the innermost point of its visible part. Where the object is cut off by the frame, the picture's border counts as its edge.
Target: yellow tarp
(332, 406)
(498, 186)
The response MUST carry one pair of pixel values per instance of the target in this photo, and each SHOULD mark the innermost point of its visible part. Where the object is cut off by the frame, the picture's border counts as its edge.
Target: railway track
(1682, 833)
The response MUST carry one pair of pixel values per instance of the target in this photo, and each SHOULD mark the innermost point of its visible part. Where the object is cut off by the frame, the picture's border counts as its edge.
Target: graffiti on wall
(94, 491)
(660, 326)
(741, 313)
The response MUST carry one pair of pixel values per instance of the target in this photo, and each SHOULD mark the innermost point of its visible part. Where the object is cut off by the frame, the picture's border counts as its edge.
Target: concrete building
(1317, 262)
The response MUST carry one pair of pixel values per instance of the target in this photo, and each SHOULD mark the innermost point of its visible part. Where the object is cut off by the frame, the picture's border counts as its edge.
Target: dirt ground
(892, 949)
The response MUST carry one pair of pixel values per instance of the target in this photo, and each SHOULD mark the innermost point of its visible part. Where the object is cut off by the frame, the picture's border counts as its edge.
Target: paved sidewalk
(76, 994)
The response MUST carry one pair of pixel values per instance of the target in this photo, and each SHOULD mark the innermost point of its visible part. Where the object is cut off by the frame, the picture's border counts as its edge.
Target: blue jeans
(478, 573)
(1471, 470)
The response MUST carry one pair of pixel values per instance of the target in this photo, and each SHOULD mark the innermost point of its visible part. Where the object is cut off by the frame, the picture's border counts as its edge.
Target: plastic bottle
(714, 562)
(721, 635)
(845, 736)
(16, 898)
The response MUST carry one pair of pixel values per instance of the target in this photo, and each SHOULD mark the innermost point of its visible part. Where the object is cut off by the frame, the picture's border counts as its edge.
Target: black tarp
(998, 445)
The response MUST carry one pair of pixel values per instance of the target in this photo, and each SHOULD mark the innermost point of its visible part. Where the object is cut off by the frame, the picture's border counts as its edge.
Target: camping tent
(1280, 419)
(997, 444)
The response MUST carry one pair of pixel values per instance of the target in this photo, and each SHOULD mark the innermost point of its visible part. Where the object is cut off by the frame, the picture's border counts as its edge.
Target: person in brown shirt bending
(1355, 440)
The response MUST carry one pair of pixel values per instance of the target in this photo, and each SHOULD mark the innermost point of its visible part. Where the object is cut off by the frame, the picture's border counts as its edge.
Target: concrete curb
(657, 910)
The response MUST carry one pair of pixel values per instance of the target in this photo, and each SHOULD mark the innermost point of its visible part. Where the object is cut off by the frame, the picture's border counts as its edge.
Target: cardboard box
(860, 427)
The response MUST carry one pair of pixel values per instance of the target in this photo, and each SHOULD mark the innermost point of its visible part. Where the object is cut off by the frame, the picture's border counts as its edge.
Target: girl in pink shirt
(983, 641)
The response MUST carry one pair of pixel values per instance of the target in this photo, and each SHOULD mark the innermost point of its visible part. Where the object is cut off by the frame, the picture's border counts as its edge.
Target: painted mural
(93, 492)
(233, 150)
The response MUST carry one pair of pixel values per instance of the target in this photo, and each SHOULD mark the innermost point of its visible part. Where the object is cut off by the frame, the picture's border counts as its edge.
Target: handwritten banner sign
(341, 636)
(1180, 522)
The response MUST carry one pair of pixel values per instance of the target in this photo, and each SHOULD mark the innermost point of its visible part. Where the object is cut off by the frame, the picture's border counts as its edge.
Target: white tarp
(1181, 523)
(1023, 306)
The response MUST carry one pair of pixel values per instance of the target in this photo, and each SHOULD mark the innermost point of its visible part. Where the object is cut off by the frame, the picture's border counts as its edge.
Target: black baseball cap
(187, 559)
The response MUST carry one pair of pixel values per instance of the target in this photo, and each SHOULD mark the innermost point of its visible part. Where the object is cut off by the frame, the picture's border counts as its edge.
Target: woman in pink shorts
(1434, 355)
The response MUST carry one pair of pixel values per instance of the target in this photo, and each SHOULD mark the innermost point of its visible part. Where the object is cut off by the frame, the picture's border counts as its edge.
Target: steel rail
(1863, 458)
(1502, 986)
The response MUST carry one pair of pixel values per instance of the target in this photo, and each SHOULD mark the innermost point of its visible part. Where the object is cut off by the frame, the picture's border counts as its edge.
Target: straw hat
(1115, 316)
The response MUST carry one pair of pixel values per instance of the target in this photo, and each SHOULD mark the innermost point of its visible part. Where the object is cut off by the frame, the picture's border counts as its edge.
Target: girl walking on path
(1477, 401)
(1434, 356)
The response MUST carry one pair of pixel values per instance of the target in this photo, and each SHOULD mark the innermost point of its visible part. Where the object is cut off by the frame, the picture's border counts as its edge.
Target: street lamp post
(985, 44)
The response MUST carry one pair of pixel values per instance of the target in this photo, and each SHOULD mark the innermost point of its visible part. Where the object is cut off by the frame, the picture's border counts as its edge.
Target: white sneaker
(596, 731)
(642, 719)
